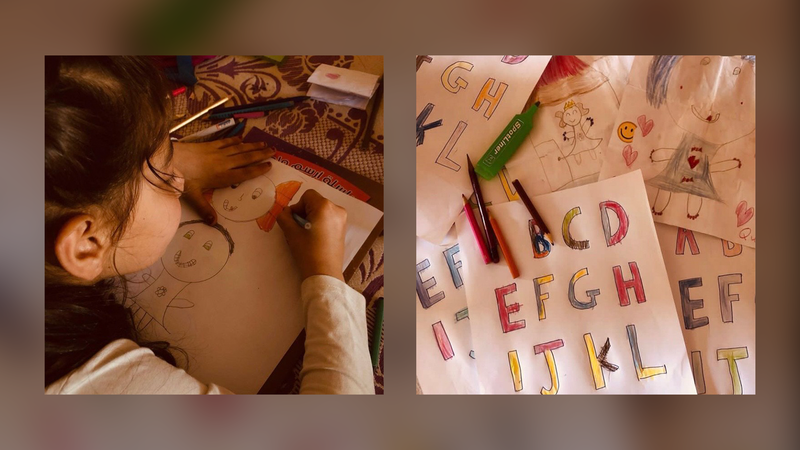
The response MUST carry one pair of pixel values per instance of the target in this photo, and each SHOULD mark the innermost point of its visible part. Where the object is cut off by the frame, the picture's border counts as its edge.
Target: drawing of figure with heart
(197, 253)
(257, 199)
(711, 117)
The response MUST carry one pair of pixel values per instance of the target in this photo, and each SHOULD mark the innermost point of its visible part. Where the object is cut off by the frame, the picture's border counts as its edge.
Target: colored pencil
(198, 115)
(476, 231)
(301, 221)
(271, 107)
(512, 266)
(491, 239)
(237, 108)
(376, 335)
(537, 219)
(235, 130)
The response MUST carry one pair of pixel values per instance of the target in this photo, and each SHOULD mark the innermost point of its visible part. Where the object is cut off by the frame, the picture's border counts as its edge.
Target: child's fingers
(245, 173)
(227, 142)
(242, 148)
(196, 200)
(252, 157)
(286, 221)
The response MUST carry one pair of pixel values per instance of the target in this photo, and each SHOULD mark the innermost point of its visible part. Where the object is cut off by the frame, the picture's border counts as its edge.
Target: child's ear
(81, 248)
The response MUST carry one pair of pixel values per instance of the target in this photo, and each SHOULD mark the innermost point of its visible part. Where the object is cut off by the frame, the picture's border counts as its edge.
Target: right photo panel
(585, 224)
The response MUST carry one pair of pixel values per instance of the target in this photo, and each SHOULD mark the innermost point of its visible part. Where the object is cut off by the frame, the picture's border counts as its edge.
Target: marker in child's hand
(301, 221)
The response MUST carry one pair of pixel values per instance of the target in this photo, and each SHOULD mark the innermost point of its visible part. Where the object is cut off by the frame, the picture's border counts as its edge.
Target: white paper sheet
(545, 333)
(689, 124)
(474, 97)
(714, 286)
(445, 360)
(236, 313)
(572, 127)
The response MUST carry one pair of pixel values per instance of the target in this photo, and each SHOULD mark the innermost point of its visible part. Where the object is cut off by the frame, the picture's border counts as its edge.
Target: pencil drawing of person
(257, 199)
(581, 147)
(198, 252)
(710, 99)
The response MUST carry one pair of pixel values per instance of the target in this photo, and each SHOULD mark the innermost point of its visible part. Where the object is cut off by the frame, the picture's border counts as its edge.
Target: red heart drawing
(693, 161)
(743, 213)
(645, 125)
(629, 154)
(332, 76)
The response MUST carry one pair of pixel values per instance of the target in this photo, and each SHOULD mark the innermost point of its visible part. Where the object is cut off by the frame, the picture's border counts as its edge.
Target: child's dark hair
(105, 117)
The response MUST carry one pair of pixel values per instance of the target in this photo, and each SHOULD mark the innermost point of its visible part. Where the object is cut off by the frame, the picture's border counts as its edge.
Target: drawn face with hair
(572, 116)
(713, 97)
(196, 253)
(245, 201)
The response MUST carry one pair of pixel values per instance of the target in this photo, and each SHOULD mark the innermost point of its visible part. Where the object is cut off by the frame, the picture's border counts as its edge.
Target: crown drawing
(569, 105)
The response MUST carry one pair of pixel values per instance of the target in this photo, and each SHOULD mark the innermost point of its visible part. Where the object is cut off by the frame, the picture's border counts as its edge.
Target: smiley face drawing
(245, 201)
(197, 253)
(257, 199)
(626, 131)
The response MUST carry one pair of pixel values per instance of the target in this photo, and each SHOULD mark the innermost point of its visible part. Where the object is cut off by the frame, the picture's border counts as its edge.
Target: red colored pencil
(476, 231)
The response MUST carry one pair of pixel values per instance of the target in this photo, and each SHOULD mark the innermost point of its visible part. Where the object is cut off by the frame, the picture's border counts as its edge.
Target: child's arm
(337, 359)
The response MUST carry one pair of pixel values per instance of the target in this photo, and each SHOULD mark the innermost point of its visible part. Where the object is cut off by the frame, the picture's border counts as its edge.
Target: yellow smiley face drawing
(625, 132)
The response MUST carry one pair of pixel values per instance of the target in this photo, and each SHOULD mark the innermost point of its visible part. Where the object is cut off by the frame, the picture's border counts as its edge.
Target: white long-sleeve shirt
(336, 361)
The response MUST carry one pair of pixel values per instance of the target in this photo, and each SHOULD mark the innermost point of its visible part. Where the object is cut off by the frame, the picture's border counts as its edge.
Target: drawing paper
(573, 125)
(445, 360)
(604, 279)
(693, 138)
(463, 103)
(714, 286)
(230, 296)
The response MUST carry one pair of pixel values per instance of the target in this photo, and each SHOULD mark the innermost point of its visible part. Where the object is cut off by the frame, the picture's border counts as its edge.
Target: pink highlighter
(476, 231)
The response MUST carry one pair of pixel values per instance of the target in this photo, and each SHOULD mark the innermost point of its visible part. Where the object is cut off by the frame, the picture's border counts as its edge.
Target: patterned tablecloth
(330, 131)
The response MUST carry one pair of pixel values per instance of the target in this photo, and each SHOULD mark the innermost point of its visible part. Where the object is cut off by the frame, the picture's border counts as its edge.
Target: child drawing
(573, 117)
(197, 253)
(256, 199)
(711, 117)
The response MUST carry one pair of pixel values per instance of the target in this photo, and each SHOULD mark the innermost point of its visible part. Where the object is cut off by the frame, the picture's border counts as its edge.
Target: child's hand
(320, 250)
(218, 164)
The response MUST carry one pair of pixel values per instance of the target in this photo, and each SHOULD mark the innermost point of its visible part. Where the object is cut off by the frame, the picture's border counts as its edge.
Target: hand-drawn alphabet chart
(463, 102)
(573, 124)
(688, 122)
(445, 359)
(714, 286)
(229, 295)
(591, 314)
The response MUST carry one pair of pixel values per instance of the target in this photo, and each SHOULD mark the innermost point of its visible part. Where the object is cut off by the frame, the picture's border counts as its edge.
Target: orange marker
(512, 267)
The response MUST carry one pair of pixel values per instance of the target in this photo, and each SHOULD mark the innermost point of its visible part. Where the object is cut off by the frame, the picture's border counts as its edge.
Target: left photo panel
(214, 224)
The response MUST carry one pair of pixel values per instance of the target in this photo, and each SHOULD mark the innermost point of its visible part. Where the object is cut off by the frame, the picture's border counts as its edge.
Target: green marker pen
(506, 144)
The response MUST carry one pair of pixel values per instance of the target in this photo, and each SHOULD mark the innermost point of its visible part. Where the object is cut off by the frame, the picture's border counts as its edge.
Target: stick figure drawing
(197, 253)
(706, 98)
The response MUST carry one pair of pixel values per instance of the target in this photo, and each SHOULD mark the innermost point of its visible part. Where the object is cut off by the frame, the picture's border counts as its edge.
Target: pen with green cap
(506, 144)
